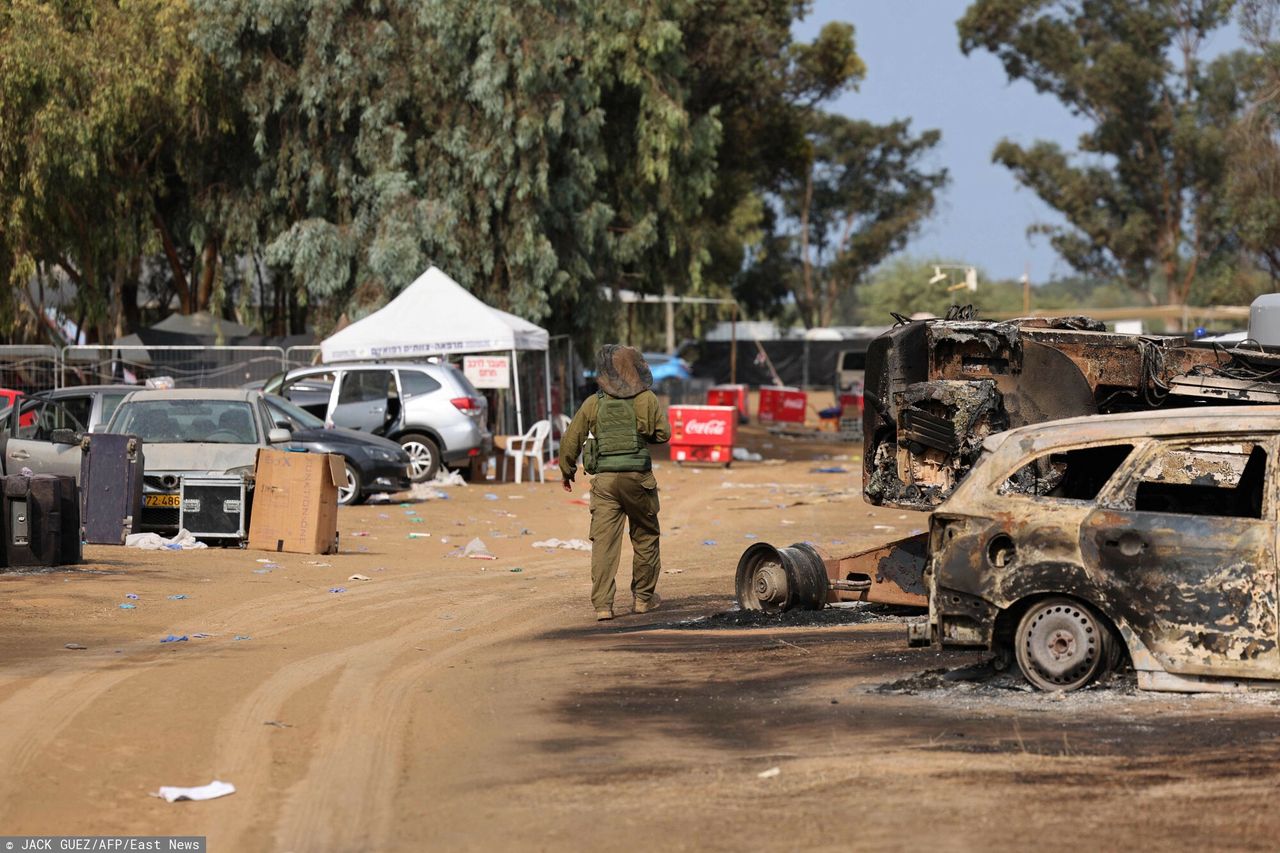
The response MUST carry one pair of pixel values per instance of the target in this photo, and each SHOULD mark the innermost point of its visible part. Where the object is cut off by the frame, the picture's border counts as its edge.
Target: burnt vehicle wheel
(780, 579)
(1062, 644)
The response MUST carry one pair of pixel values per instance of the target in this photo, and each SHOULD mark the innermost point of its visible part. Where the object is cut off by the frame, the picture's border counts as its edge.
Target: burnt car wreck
(936, 389)
(1074, 544)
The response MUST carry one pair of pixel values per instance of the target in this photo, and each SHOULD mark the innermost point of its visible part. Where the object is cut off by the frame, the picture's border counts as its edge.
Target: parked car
(1153, 534)
(43, 436)
(669, 372)
(92, 405)
(431, 410)
(194, 431)
(373, 464)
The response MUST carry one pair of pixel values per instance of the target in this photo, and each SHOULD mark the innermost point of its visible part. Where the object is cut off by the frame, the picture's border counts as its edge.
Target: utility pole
(671, 322)
(1026, 289)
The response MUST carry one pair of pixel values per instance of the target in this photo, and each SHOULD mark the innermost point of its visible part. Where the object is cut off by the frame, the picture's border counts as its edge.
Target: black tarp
(798, 362)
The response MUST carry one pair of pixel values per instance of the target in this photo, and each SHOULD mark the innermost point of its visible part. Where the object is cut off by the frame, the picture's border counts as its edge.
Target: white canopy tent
(436, 316)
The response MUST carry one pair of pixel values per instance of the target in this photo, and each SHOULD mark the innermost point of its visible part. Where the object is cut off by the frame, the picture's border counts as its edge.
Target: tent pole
(515, 381)
(546, 384)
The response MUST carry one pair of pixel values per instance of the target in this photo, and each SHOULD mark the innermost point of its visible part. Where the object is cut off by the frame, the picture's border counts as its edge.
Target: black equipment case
(41, 520)
(215, 508)
(111, 469)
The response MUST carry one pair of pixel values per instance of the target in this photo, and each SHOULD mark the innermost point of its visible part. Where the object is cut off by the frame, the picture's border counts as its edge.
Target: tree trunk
(208, 270)
(175, 265)
(807, 305)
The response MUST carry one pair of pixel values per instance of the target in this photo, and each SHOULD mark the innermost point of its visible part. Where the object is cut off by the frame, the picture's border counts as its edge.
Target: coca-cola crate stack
(730, 395)
(780, 405)
(703, 433)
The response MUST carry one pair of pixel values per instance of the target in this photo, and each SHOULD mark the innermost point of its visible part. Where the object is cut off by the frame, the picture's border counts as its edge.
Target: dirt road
(459, 704)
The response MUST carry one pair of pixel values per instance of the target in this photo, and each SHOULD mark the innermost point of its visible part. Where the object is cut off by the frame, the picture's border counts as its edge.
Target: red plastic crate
(730, 395)
(783, 405)
(703, 433)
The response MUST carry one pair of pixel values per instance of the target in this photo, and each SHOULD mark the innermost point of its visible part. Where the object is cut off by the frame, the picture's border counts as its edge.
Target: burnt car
(1153, 535)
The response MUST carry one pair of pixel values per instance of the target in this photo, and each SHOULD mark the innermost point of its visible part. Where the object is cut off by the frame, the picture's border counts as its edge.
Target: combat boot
(653, 603)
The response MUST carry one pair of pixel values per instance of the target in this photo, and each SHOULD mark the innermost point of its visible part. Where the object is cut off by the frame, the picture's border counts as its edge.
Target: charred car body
(1074, 543)
(935, 389)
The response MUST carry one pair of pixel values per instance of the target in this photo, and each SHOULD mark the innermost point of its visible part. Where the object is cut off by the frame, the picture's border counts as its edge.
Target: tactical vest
(619, 446)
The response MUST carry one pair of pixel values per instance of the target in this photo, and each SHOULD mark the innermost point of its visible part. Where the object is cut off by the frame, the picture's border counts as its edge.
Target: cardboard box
(295, 502)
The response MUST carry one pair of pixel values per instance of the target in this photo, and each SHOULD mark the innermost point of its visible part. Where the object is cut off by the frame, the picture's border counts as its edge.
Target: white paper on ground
(155, 542)
(567, 544)
(213, 790)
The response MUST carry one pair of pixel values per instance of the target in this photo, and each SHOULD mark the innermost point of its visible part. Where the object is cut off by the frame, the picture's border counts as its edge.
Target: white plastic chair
(559, 425)
(528, 448)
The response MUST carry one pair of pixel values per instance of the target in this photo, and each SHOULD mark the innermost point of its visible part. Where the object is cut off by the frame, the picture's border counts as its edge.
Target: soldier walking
(613, 429)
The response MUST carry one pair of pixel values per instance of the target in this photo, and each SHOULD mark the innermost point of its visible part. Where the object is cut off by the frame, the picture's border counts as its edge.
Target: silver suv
(431, 409)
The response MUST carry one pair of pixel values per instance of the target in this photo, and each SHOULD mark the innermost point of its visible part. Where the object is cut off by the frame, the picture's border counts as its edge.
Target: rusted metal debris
(1151, 535)
(936, 388)
(802, 578)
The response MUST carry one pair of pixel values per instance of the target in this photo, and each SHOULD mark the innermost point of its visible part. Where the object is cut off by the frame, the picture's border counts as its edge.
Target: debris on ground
(177, 597)
(75, 647)
(419, 536)
(174, 638)
(127, 606)
(741, 454)
(181, 541)
(277, 724)
(359, 533)
(844, 614)
(830, 469)
(336, 589)
(475, 550)
(566, 544)
(215, 789)
(770, 773)
(133, 596)
(358, 578)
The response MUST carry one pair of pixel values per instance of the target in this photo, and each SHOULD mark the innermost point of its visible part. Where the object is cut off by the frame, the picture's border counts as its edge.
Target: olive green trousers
(630, 497)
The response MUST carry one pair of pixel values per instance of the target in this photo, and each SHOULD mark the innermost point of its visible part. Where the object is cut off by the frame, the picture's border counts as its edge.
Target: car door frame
(1197, 649)
(41, 456)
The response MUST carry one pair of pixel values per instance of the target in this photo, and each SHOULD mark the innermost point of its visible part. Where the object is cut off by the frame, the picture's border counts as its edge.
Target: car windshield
(282, 409)
(187, 421)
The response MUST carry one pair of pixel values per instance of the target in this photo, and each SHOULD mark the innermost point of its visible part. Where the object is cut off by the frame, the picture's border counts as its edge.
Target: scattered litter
(524, 531)
(881, 527)
(419, 536)
(750, 536)
(174, 638)
(787, 521)
(358, 578)
(490, 496)
(448, 477)
(262, 571)
(337, 589)
(581, 502)
(741, 454)
(708, 541)
(263, 560)
(515, 497)
(517, 569)
(566, 544)
(181, 541)
(213, 790)
(131, 595)
(178, 597)
(383, 516)
(475, 550)
(201, 636)
(673, 571)
(318, 564)
(770, 773)
(410, 512)
(831, 469)
(75, 647)
(127, 606)
(277, 724)
(416, 521)
(242, 637)
(359, 533)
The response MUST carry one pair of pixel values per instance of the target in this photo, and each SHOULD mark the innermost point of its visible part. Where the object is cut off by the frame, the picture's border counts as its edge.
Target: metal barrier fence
(189, 366)
(28, 368)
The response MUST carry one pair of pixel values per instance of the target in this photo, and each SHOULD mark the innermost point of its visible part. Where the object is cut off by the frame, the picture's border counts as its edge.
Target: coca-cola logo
(705, 427)
(793, 403)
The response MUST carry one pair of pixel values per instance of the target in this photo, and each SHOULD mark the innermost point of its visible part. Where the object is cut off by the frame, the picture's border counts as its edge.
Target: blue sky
(915, 70)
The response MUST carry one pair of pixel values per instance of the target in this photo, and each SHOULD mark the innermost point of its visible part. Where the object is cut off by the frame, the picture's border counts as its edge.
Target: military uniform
(621, 421)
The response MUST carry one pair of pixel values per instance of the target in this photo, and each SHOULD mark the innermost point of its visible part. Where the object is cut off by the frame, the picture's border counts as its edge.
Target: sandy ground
(459, 704)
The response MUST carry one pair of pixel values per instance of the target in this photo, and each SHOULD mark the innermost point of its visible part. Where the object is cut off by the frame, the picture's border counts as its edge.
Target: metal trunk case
(215, 508)
(111, 469)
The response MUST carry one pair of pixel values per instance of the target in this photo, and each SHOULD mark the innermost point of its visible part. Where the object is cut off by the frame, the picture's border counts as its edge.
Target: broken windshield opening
(1076, 475)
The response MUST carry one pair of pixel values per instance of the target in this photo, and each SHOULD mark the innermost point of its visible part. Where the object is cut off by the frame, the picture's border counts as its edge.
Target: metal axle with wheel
(800, 577)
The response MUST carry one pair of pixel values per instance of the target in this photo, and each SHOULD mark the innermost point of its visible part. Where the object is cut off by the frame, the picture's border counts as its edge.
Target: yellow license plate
(170, 501)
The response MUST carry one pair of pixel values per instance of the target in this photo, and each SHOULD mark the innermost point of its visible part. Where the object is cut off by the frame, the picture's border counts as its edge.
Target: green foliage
(1143, 197)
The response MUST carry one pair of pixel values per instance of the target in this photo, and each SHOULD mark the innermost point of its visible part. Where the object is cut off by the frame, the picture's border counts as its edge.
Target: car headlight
(383, 455)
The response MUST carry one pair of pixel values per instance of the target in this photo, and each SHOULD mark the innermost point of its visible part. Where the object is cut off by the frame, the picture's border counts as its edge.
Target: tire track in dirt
(352, 780)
